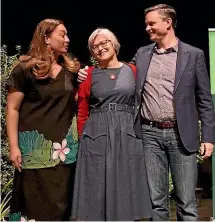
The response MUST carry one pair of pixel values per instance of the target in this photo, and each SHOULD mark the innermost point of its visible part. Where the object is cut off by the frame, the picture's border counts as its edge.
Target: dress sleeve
(17, 79)
(83, 103)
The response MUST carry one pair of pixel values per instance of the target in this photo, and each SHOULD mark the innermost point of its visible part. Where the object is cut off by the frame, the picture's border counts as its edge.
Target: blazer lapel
(182, 58)
(146, 59)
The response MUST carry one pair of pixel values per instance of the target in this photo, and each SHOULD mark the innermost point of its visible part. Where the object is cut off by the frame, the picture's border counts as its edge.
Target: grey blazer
(192, 95)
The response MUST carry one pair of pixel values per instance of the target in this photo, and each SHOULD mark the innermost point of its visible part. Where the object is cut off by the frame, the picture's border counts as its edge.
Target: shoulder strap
(133, 67)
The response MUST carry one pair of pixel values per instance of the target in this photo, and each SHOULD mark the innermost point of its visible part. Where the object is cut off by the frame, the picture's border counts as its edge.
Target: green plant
(93, 61)
(7, 63)
(5, 196)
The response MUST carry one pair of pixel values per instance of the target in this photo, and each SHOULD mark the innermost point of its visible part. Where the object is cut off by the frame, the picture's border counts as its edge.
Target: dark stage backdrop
(81, 17)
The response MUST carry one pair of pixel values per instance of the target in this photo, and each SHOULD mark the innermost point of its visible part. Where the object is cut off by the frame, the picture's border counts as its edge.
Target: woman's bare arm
(14, 101)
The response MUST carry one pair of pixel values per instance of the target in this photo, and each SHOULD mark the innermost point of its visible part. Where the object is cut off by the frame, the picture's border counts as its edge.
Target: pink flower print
(24, 220)
(60, 150)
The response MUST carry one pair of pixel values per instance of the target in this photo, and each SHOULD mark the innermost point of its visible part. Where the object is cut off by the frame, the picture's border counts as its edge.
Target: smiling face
(58, 40)
(102, 48)
(157, 26)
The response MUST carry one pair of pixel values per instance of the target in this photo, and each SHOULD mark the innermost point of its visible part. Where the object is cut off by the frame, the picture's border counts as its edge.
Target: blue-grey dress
(111, 181)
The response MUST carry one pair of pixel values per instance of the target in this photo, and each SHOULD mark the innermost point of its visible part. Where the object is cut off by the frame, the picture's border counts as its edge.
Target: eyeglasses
(103, 44)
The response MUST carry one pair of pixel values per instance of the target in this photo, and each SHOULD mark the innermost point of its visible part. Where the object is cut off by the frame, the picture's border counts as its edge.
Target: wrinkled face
(102, 48)
(156, 26)
(58, 40)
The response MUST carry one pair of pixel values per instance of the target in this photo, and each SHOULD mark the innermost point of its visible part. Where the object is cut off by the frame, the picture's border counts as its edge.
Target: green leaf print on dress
(18, 217)
(15, 217)
(72, 142)
(36, 150)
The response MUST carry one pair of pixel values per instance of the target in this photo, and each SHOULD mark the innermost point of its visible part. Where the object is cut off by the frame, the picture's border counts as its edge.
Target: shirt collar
(167, 51)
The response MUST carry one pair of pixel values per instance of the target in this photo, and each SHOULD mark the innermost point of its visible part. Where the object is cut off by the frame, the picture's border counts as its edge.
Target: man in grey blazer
(172, 94)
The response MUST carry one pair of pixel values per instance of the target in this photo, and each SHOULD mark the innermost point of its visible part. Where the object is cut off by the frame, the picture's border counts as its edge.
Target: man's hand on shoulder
(82, 74)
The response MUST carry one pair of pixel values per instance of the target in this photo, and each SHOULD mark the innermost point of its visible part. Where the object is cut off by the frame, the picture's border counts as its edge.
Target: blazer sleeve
(204, 98)
(133, 60)
(83, 103)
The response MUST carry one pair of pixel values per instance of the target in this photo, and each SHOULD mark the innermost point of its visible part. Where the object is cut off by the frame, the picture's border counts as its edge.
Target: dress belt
(113, 107)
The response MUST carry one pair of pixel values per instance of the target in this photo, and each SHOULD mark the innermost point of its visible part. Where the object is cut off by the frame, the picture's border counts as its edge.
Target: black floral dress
(48, 141)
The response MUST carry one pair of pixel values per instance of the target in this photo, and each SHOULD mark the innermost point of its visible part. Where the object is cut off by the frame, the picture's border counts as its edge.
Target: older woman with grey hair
(110, 181)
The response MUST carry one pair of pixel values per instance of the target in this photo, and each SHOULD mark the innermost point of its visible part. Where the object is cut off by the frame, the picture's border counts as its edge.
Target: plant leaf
(6, 185)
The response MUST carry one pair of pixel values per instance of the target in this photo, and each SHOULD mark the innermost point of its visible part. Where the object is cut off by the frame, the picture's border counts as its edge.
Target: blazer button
(138, 107)
(140, 90)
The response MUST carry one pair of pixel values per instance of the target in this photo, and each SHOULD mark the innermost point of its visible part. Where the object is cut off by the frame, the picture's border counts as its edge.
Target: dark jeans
(163, 150)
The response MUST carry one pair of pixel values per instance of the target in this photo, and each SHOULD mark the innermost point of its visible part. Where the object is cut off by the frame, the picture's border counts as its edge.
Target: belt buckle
(166, 124)
(112, 106)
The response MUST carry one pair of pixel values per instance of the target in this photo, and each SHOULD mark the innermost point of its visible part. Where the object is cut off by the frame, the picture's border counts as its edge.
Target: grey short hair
(106, 33)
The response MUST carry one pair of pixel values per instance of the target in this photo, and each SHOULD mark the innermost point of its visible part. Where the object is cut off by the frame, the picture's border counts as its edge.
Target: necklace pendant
(112, 76)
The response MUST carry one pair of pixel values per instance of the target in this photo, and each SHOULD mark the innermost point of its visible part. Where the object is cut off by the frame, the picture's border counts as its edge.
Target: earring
(49, 49)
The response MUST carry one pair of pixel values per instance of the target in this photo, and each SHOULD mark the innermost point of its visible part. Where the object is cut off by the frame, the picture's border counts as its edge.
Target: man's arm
(133, 60)
(205, 106)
